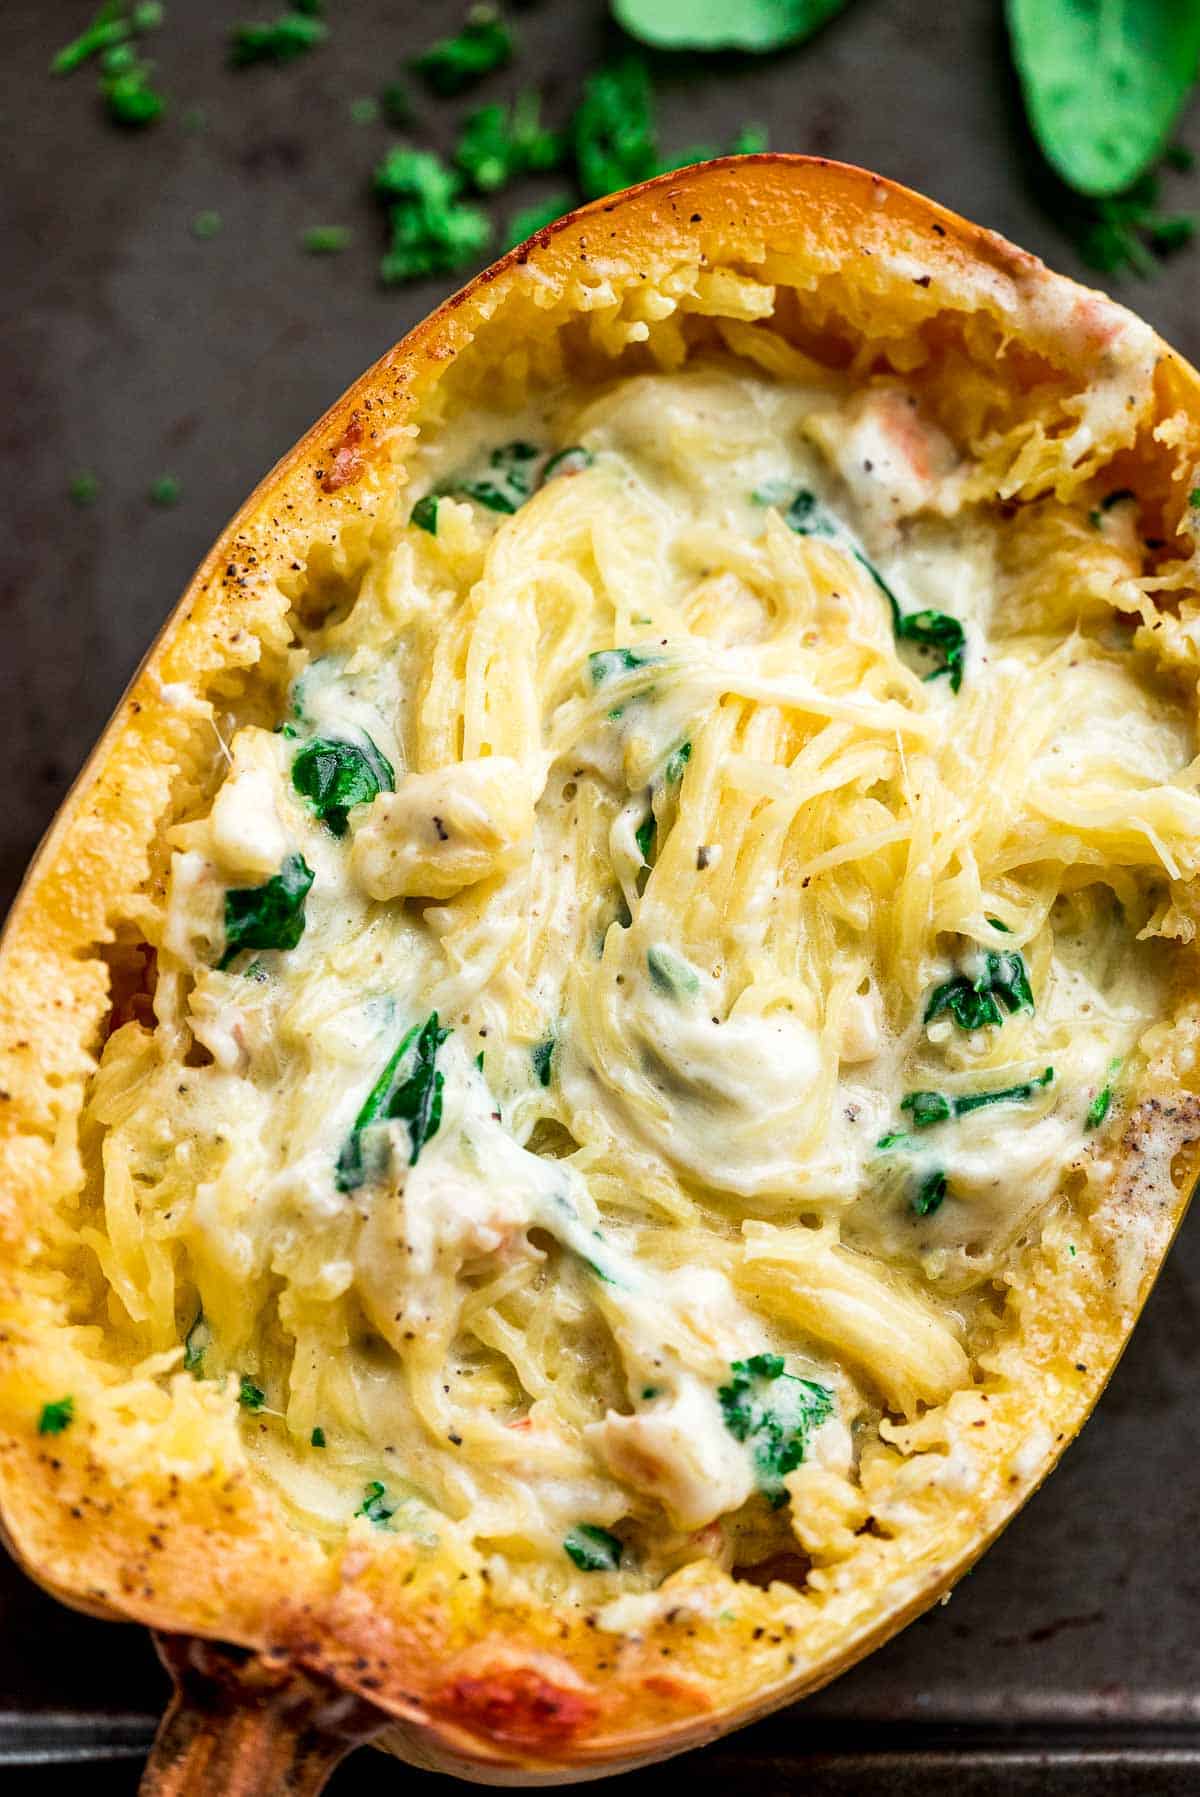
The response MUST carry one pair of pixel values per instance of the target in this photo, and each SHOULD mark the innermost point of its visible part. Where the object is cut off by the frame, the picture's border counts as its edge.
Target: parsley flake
(432, 230)
(280, 40)
(250, 1396)
(453, 64)
(56, 1416)
(375, 1506)
(325, 240)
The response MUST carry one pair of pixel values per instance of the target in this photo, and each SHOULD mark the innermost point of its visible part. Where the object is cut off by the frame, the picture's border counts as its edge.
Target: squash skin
(478, 1689)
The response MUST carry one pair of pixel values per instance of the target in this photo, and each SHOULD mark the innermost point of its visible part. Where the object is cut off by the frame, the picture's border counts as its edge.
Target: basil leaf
(592, 1548)
(1104, 82)
(56, 1416)
(972, 1002)
(716, 25)
(335, 775)
(774, 1413)
(408, 1089)
(270, 915)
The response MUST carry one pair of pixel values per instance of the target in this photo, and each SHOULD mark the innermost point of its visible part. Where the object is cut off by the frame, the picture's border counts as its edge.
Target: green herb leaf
(671, 973)
(676, 762)
(206, 225)
(1104, 82)
(317, 1438)
(432, 231)
(84, 489)
(928, 1108)
(509, 479)
(325, 240)
(455, 63)
(1099, 1108)
(615, 139)
(197, 1339)
(126, 90)
(608, 664)
(774, 1413)
(929, 1193)
(375, 1506)
(109, 27)
(542, 1055)
(425, 514)
(497, 144)
(592, 1548)
(56, 1417)
(165, 491)
(282, 40)
(644, 836)
(270, 915)
(410, 1089)
(250, 1396)
(334, 776)
(972, 1001)
(755, 25)
(934, 631)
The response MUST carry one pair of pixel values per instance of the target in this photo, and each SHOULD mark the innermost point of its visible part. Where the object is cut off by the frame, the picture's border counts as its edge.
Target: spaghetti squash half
(599, 1065)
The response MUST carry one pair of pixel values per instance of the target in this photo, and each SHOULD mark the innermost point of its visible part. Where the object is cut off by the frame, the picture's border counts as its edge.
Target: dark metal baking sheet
(1070, 1660)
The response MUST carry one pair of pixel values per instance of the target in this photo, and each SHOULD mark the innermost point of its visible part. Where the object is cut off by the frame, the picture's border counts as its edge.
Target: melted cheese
(683, 840)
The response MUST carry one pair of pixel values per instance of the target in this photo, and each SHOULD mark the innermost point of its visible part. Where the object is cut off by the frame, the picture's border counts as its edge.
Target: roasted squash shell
(161, 1532)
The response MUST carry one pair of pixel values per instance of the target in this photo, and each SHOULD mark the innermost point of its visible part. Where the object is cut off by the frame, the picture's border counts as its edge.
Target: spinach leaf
(929, 1193)
(716, 25)
(334, 775)
(928, 1108)
(270, 915)
(671, 973)
(56, 1416)
(774, 1413)
(424, 513)
(509, 480)
(592, 1548)
(250, 1396)
(1104, 82)
(972, 1001)
(542, 1055)
(375, 1506)
(410, 1089)
(197, 1339)
(934, 631)
(608, 664)
(644, 836)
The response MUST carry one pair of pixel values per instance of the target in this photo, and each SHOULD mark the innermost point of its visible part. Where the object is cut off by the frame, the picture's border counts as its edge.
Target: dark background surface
(1070, 1661)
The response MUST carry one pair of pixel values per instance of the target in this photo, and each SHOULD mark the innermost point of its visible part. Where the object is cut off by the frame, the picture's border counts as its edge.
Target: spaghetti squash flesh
(674, 935)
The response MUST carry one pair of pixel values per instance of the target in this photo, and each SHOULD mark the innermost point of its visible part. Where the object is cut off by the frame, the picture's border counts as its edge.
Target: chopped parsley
(774, 1413)
(542, 1055)
(250, 1396)
(592, 1548)
(270, 915)
(375, 1506)
(432, 230)
(498, 143)
(165, 491)
(935, 632)
(409, 1089)
(125, 86)
(206, 225)
(425, 514)
(56, 1416)
(195, 1342)
(615, 139)
(671, 973)
(317, 1438)
(84, 489)
(325, 240)
(124, 73)
(334, 776)
(972, 1000)
(528, 219)
(280, 40)
(508, 481)
(1194, 497)
(1127, 231)
(365, 110)
(928, 1108)
(453, 64)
